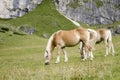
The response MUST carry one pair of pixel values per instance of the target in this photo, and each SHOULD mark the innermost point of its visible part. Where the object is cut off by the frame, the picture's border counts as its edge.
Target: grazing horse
(99, 35)
(62, 39)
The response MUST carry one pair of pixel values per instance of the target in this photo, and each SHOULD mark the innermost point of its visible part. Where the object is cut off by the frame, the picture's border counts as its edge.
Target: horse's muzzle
(82, 56)
(46, 63)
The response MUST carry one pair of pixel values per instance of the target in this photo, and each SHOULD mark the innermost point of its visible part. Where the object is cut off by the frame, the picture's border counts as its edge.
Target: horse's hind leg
(88, 49)
(112, 47)
(81, 48)
(91, 55)
(107, 47)
(85, 53)
(65, 55)
(113, 51)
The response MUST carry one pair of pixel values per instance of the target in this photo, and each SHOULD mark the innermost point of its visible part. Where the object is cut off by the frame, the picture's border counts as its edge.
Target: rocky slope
(90, 11)
(86, 11)
(16, 8)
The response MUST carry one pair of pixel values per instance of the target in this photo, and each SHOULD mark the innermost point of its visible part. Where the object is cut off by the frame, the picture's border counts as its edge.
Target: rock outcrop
(86, 11)
(90, 11)
(16, 8)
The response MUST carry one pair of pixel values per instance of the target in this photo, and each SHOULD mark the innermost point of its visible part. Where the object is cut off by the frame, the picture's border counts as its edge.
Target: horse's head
(47, 57)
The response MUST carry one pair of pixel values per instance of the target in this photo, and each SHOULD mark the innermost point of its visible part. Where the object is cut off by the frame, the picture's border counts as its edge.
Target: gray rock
(111, 28)
(45, 35)
(90, 11)
(17, 8)
(27, 29)
(118, 29)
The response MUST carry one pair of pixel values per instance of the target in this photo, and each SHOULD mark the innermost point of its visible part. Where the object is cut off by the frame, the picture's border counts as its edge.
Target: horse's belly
(71, 42)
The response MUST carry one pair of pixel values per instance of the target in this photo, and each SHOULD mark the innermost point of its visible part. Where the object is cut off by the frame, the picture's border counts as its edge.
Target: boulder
(90, 11)
(118, 29)
(112, 30)
(27, 29)
(17, 8)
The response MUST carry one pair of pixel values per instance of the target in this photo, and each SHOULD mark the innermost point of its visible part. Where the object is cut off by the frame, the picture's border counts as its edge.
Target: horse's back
(67, 38)
(104, 32)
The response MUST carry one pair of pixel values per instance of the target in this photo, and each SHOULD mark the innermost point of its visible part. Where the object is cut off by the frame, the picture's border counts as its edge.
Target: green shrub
(74, 4)
(45, 19)
(99, 3)
(85, 1)
(117, 6)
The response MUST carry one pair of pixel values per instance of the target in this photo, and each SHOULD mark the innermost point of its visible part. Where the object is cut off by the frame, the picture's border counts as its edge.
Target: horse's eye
(47, 54)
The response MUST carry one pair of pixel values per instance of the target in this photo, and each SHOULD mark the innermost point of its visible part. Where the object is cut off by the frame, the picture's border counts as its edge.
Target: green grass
(21, 58)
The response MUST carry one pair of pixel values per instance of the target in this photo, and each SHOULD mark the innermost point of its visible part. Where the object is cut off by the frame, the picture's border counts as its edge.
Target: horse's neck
(96, 39)
(94, 35)
(98, 36)
(50, 45)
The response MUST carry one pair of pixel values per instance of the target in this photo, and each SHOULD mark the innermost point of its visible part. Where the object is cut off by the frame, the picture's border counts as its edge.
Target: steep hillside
(45, 19)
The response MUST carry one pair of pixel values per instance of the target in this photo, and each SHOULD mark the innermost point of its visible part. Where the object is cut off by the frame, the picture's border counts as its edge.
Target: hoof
(91, 58)
(83, 59)
(66, 61)
(105, 55)
(57, 62)
(113, 55)
(47, 63)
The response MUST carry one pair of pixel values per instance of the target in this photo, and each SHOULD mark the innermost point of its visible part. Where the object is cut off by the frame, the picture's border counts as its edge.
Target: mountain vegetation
(45, 19)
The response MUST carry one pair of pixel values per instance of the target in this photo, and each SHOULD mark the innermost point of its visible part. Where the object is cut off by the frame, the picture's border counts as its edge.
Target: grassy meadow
(22, 56)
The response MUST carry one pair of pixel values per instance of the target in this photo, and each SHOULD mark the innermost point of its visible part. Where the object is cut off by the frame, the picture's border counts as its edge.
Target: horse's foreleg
(58, 54)
(65, 55)
(88, 49)
(87, 54)
(87, 44)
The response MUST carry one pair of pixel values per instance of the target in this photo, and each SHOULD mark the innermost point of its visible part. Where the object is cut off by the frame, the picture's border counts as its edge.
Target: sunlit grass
(26, 62)
(45, 19)
(21, 56)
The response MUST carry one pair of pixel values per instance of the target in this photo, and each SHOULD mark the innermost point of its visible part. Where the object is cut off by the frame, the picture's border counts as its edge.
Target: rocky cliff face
(16, 8)
(90, 11)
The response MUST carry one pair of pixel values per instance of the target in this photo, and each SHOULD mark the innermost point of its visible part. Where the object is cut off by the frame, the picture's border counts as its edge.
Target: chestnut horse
(99, 35)
(62, 39)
